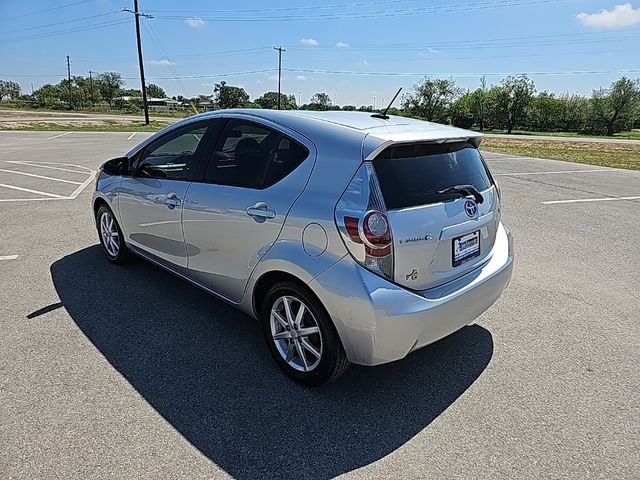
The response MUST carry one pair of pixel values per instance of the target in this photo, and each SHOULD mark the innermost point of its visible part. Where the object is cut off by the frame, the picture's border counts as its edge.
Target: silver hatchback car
(351, 237)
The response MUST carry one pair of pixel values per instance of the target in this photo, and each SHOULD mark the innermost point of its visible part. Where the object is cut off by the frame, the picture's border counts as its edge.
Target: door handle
(260, 211)
(172, 201)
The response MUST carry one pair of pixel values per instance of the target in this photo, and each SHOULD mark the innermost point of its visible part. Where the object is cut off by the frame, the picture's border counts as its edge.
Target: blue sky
(203, 42)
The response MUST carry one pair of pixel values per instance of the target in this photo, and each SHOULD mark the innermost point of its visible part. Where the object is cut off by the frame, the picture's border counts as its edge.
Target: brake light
(351, 224)
(362, 220)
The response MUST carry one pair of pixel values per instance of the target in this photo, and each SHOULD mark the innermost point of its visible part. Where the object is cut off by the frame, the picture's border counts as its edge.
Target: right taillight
(363, 223)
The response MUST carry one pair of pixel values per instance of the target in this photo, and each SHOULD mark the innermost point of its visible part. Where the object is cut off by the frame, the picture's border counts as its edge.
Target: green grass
(616, 155)
(632, 135)
(93, 126)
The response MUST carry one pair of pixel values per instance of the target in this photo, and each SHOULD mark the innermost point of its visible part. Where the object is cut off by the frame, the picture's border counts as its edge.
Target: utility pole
(137, 16)
(280, 50)
(69, 80)
(91, 86)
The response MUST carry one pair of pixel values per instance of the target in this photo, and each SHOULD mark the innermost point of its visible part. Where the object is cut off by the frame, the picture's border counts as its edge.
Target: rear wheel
(111, 237)
(301, 335)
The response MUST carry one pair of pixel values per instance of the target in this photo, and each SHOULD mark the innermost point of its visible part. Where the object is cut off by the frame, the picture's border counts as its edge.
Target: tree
(270, 100)
(510, 99)
(461, 111)
(154, 91)
(613, 109)
(431, 99)
(546, 113)
(228, 96)
(49, 95)
(319, 101)
(110, 85)
(9, 89)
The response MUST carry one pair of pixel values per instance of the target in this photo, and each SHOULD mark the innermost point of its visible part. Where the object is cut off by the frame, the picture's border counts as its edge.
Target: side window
(252, 156)
(171, 157)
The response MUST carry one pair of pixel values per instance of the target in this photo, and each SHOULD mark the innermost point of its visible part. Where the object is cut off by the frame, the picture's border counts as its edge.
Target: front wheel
(111, 237)
(301, 335)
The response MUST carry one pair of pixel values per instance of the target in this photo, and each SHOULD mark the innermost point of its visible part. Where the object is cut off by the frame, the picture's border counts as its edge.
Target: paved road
(128, 372)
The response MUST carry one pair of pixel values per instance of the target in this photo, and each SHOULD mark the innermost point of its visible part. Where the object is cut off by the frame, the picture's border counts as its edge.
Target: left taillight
(363, 223)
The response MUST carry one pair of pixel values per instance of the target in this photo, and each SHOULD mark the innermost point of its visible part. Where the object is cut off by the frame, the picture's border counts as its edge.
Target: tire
(111, 237)
(314, 332)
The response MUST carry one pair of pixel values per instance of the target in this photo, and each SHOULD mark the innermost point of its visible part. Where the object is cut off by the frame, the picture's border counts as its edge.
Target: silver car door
(236, 212)
(150, 199)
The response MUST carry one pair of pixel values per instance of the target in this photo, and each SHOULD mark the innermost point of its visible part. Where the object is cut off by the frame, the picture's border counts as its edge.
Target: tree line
(511, 104)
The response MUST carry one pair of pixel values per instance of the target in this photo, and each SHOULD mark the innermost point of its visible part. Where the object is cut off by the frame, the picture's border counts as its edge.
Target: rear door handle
(172, 201)
(260, 211)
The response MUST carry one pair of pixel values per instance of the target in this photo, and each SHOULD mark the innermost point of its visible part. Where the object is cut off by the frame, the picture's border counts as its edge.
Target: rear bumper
(379, 321)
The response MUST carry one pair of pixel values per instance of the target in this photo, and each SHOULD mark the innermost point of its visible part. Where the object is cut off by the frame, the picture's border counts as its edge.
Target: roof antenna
(383, 114)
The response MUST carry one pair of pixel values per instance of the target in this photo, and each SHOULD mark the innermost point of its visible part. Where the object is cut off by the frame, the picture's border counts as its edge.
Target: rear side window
(410, 175)
(253, 156)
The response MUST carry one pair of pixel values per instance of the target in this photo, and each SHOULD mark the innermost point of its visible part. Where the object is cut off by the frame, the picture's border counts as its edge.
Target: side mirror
(115, 166)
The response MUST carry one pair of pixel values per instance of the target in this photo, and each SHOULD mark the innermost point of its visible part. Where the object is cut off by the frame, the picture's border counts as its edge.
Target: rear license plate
(466, 248)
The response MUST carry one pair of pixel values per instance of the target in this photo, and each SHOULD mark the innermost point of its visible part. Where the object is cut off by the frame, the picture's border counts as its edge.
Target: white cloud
(195, 22)
(342, 45)
(162, 63)
(301, 77)
(364, 63)
(623, 15)
(311, 42)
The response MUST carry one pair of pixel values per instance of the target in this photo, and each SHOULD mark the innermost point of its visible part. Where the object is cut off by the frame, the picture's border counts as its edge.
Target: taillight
(362, 220)
(377, 235)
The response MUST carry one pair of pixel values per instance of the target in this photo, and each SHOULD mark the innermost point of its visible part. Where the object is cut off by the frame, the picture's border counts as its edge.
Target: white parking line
(581, 200)
(22, 189)
(8, 257)
(60, 135)
(40, 165)
(39, 176)
(131, 136)
(591, 170)
(90, 175)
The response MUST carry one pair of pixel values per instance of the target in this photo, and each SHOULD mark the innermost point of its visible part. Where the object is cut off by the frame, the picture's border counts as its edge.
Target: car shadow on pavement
(204, 367)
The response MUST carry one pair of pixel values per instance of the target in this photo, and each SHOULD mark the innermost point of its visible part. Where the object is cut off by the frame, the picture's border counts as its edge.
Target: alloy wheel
(296, 333)
(109, 234)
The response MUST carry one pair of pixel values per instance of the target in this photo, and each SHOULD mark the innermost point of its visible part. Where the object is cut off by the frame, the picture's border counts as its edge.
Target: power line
(454, 74)
(373, 14)
(289, 9)
(37, 12)
(35, 27)
(82, 28)
(162, 51)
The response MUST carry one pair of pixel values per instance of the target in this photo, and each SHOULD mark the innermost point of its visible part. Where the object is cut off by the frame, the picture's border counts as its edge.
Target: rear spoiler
(373, 144)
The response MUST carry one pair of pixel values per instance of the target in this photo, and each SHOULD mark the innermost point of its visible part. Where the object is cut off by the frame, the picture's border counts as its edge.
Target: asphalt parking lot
(128, 372)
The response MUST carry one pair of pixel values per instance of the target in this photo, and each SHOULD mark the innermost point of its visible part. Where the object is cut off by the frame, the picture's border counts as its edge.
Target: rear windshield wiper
(464, 190)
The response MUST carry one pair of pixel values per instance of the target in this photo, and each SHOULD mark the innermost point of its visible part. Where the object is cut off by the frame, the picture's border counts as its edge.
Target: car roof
(361, 121)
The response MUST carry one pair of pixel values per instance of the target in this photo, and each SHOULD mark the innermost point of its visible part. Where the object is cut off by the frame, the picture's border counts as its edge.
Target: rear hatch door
(437, 237)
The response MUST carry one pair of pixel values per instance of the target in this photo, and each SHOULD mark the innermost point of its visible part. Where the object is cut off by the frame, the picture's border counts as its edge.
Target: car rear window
(410, 175)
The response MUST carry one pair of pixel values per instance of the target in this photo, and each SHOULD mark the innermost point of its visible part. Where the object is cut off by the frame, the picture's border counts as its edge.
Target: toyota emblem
(471, 208)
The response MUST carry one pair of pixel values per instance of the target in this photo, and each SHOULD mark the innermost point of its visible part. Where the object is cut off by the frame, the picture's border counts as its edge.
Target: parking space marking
(591, 170)
(47, 165)
(40, 176)
(582, 200)
(131, 136)
(60, 135)
(38, 192)
(44, 196)
(8, 257)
